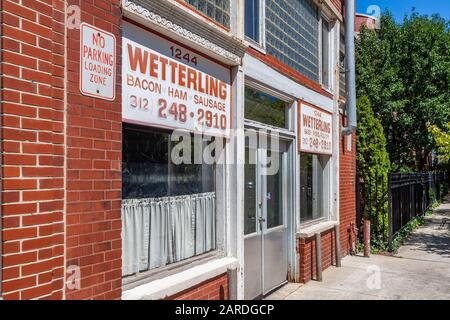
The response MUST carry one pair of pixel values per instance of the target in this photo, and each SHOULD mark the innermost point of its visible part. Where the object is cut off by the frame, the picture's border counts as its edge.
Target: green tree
(373, 165)
(405, 72)
(442, 140)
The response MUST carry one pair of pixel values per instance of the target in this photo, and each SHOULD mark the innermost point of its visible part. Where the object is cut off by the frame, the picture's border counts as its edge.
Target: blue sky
(401, 7)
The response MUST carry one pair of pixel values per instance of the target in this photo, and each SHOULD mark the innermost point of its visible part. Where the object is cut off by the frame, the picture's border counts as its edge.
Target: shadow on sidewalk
(434, 235)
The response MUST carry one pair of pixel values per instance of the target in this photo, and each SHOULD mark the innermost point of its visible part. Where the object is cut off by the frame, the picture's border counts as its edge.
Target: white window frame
(259, 45)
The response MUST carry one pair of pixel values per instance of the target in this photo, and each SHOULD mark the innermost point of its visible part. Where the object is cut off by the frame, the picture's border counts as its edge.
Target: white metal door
(265, 220)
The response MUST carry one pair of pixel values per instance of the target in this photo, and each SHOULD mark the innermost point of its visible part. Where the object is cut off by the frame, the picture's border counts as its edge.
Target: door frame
(290, 216)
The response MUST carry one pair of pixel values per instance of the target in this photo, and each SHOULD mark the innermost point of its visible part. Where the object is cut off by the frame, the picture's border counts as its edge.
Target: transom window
(264, 108)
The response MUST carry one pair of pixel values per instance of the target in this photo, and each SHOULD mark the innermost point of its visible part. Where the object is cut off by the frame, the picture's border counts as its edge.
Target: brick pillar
(32, 82)
(94, 153)
(347, 199)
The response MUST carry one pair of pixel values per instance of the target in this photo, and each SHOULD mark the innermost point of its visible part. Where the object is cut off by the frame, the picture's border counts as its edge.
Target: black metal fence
(393, 200)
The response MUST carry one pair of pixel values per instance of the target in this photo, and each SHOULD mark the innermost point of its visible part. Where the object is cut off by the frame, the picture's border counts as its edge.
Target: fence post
(390, 212)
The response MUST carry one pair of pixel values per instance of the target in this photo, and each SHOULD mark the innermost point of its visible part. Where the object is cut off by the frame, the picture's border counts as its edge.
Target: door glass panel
(274, 193)
(306, 187)
(250, 197)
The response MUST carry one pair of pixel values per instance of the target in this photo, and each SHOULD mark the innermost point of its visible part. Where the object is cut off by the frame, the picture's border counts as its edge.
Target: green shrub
(373, 165)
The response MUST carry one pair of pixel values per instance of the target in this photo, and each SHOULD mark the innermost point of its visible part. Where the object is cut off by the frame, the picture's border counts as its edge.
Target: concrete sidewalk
(420, 270)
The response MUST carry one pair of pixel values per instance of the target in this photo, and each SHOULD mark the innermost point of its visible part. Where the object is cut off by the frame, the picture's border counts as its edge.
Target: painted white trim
(364, 15)
(310, 231)
(236, 179)
(173, 284)
(259, 71)
(142, 15)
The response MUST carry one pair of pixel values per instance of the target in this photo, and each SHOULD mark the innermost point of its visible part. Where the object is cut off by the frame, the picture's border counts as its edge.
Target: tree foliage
(404, 70)
(371, 157)
(373, 165)
(442, 140)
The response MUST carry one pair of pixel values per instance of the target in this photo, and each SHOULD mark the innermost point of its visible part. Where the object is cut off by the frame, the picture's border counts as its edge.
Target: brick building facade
(63, 183)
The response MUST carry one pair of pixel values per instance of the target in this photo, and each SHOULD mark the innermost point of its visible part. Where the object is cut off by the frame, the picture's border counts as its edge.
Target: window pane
(147, 171)
(325, 53)
(314, 187)
(306, 187)
(252, 19)
(274, 195)
(292, 34)
(264, 108)
(342, 82)
(218, 10)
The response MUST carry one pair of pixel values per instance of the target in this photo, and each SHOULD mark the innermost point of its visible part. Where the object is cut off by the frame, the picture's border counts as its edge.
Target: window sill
(255, 45)
(327, 89)
(320, 227)
(173, 284)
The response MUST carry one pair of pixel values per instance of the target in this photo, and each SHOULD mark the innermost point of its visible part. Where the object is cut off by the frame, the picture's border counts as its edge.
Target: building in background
(93, 205)
(368, 21)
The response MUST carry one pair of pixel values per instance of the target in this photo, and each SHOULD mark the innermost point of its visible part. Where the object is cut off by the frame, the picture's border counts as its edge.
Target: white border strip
(168, 286)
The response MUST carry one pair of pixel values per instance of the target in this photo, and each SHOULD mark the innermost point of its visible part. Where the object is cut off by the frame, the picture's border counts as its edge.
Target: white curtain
(160, 231)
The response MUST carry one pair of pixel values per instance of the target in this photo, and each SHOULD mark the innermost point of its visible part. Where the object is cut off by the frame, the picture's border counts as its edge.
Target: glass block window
(292, 34)
(218, 10)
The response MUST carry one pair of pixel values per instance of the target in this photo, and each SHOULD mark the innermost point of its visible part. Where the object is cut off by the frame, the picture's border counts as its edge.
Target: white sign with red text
(316, 130)
(97, 63)
(167, 85)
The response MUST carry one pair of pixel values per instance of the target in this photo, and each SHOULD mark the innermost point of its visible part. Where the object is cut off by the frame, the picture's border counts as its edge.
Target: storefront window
(314, 187)
(252, 15)
(168, 211)
(218, 10)
(265, 108)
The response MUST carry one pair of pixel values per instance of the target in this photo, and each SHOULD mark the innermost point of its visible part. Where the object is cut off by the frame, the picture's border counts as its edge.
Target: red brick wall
(212, 289)
(32, 82)
(347, 199)
(94, 153)
(306, 249)
(338, 4)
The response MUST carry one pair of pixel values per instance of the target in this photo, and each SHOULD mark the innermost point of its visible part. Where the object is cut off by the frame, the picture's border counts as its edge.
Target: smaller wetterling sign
(315, 130)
